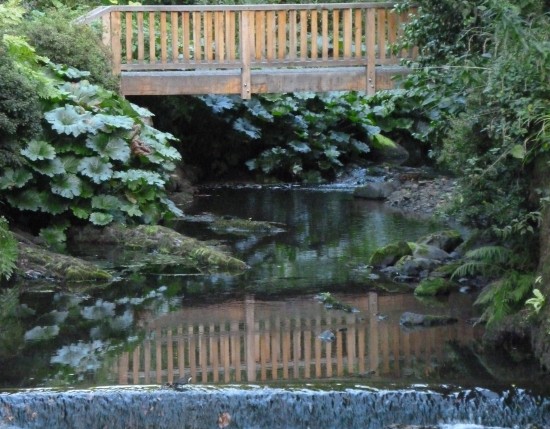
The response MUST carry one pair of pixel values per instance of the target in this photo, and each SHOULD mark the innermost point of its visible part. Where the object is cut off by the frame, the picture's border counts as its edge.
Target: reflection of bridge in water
(254, 341)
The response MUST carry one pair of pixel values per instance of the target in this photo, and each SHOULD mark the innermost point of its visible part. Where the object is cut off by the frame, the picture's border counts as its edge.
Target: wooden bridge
(248, 49)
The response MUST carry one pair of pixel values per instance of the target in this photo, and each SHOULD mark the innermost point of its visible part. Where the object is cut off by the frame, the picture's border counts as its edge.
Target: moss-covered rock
(244, 227)
(433, 287)
(427, 251)
(160, 240)
(390, 254)
(447, 240)
(36, 262)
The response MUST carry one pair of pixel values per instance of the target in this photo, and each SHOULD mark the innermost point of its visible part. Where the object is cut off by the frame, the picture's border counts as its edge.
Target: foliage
(54, 35)
(95, 160)
(8, 250)
(505, 296)
(537, 302)
(296, 137)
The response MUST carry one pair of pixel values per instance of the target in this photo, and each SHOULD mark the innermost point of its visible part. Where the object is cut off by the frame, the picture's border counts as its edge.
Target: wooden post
(370, 34)
(250, 340)
(245, 38)
(116, 46)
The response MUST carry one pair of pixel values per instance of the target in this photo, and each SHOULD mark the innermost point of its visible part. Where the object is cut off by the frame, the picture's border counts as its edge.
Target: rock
(415, 319)
(390, 254)
(385, 149)
(412, 266)
(433, 287)
(447, 240)
(429, 252)
(375, 190)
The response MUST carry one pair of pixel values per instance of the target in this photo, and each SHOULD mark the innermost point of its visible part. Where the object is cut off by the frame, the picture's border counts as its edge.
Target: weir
(252, 49)
(273, 408)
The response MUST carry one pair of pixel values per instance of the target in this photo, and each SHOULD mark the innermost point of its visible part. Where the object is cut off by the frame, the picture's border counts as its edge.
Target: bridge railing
(147, 38)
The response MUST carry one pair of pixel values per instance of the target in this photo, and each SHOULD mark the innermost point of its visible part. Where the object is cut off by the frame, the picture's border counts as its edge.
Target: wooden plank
(382, 38)
(324, 34)
(259, 35)
(281, 35)
(152, 39)
(219, 35)
(129, 37)
(230, 35)
(335, 33)
(163, 38)
(314, 34)
(169, 356)
(358, 26)
(392, 32)
(116, 47)
(175, 36)
(208, 39)
(186, 35)
(347, 22)
(270, 33)
(303, 34)
(141, 38)
(370, 36)
(197, 33)
(292, 36)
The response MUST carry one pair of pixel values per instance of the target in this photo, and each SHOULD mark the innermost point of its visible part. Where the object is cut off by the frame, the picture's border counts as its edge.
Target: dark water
(263, 327)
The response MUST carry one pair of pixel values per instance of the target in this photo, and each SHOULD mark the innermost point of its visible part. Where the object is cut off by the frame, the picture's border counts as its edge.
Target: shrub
(54, 35)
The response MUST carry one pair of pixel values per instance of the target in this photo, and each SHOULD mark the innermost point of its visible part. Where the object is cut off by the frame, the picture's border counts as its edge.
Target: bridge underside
(262, 81)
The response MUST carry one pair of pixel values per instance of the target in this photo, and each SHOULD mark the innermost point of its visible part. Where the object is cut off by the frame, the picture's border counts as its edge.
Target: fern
(8, 250)
(505, 296)
(486, 261)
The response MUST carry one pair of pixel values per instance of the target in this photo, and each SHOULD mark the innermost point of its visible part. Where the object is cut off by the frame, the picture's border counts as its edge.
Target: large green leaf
(247, 128)
(14, 178)
(53, 204)
(96, 169)
(67, 185)
(109, 146)
(8, 250)
(298, 146)
(71, 164)
(135, 178)
(101, 219)
(103, 122)
(38, 150)
(106, 202)
(29, 199)
(69, 120)
(49, 167)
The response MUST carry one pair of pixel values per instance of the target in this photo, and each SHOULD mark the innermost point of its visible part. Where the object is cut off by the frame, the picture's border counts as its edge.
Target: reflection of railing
(247, 37)
(261, 343)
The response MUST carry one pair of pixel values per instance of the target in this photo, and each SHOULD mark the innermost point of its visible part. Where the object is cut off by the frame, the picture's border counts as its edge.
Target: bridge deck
(246, 49)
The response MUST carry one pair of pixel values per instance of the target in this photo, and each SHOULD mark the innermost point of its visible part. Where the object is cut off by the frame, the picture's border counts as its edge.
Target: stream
(255, 345)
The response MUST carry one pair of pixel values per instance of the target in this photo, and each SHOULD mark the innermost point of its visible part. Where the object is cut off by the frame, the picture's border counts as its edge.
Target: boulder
(447, 240)
(390, 254)
(375, 190)
(385, 149)
(412, 266)
(429, 252)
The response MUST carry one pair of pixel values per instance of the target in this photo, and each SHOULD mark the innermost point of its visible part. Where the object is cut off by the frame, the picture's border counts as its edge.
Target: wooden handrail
(246, 37)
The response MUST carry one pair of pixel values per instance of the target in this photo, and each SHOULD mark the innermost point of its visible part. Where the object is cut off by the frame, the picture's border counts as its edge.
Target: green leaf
(14, 178)
(70, 163)
(38, 150)
(52, 204)
(175, 210)
(49, 167)
(106, 202)
(109, 147)
(101, 219)
(67, 185)
(80, 212)
(28, 199)
(218, 103)
(69, 120)
(54, 236)
(244, 126)
(134, 178)
(518, 151)
(131, 209)
(96, 169)
(300, 147)
(8, 250)
(142, 111)
(105, 122)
